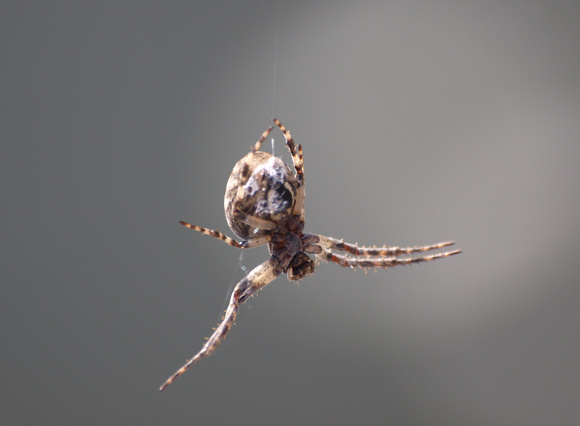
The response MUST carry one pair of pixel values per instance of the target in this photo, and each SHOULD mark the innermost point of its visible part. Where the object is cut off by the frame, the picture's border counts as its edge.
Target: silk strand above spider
(264, 204)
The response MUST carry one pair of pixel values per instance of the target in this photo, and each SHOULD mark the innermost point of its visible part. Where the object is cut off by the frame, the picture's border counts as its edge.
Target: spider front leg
(258, 144)
(298, 161)
(297, 158)
(257, 279)
(254, 242)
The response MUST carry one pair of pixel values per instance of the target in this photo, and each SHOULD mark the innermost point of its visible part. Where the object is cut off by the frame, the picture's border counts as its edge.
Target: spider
(264, 204)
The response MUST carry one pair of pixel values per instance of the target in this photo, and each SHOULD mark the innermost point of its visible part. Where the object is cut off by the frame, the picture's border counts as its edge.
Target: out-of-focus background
(420, 122)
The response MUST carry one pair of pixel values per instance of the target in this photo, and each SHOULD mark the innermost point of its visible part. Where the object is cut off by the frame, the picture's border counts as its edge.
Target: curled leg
(258, 278)
(255, 242)
(379, 262)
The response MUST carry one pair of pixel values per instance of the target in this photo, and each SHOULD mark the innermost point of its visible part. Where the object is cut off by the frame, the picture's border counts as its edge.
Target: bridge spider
(264, 204)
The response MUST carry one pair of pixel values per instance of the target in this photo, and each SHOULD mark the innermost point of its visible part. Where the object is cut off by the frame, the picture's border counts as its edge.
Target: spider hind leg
(380, 262)
(257, 279)
(375, 257)
(339, 245)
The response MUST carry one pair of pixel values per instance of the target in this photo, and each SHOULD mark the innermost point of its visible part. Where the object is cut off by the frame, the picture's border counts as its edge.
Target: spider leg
(262, 139)
(254, 221)
(334, 244)
(254, 242)
(296, 154)
(298, 161)
(258, 278)
(379, 262)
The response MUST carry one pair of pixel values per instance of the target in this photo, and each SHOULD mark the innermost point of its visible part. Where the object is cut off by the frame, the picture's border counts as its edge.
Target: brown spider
(264, 204)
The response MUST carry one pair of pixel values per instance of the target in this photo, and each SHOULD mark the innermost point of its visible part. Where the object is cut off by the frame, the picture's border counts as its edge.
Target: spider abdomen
(261, 191)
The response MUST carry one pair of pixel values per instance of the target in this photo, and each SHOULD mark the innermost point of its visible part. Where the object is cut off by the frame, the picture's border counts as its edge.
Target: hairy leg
(379, 262)
(254, 242)
(334, 244)
(258, 278)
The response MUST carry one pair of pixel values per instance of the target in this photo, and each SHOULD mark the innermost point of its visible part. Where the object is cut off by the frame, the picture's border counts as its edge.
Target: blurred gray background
(420, 122)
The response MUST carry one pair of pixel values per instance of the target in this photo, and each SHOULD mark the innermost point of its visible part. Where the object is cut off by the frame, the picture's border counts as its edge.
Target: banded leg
(380, 262)
(258, 278)
(334, 244)
(297, 158)
(254, 242)
(298, 161)
(258, 144)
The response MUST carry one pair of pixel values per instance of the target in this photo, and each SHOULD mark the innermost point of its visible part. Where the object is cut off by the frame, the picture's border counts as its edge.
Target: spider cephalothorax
(264, 204)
